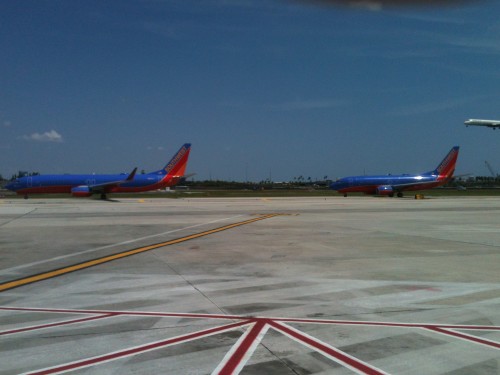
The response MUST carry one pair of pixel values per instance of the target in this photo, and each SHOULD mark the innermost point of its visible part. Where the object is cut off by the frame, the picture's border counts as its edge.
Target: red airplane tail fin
(176, 167)
(445, 169)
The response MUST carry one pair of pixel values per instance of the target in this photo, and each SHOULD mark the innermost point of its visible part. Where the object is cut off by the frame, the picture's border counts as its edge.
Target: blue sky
(259, 87)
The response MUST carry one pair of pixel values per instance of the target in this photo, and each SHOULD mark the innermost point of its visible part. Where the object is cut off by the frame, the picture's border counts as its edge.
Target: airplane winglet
(107, 186)
(131, 175)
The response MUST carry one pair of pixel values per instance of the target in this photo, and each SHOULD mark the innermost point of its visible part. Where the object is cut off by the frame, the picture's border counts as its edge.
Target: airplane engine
(81, 191)
(385, 190)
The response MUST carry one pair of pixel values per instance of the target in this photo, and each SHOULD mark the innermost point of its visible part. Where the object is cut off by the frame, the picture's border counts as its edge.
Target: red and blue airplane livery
(396, 184)
(84, 185)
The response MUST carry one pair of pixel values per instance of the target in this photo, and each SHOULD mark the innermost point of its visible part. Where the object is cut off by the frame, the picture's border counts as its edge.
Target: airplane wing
(409, 185)
(416, 184)
(105, 187)
(488, 123)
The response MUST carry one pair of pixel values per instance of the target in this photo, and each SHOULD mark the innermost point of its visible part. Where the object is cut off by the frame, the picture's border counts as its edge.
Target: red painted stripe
(348, 322)
(244, 347)
(58, 324)
(477, 328)
(232, 317)
(235, 360)
(137, 350)
(339, 356)
(384, 324)
(466, 337)
(239, 317)
(128, 313)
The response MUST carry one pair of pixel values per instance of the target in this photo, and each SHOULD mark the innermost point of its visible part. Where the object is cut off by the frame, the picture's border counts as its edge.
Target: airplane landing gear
(103, 196)
(400, 195)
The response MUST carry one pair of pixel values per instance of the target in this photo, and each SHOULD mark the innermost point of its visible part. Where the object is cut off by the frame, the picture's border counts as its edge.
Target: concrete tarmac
(252, 286)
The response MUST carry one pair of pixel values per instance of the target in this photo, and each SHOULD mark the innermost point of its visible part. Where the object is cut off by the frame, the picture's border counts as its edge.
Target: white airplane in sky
(489, 123)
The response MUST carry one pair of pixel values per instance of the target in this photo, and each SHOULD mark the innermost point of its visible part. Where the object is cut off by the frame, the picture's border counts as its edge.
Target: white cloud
(7, 124)
(51, 136)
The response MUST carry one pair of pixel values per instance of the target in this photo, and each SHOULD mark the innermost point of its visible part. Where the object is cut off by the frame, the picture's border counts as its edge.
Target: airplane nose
(11, 186)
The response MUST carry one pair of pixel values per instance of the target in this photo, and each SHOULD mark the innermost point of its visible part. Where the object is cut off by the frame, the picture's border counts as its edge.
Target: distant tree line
(478, 181)
(23, 174)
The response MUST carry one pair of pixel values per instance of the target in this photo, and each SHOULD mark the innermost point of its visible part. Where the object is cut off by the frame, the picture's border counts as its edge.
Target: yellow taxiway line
(91, 263)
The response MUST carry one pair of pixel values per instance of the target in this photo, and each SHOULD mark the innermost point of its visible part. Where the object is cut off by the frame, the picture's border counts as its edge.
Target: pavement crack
(192, 285)
(18, 217)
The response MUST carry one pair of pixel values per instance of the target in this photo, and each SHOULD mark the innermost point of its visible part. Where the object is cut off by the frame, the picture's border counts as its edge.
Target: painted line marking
(328, 351)
(91, 263)
(57, 324)
(464, 336)
(236, 358)
(27, 265)
(242, 350)
(125, 313)
(239, 317)
(137, 350)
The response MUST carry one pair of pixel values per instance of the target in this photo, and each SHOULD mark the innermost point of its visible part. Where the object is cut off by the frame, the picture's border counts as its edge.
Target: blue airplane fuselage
(396, 184)
(84, 185)
(65, 183)
(375, 184)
